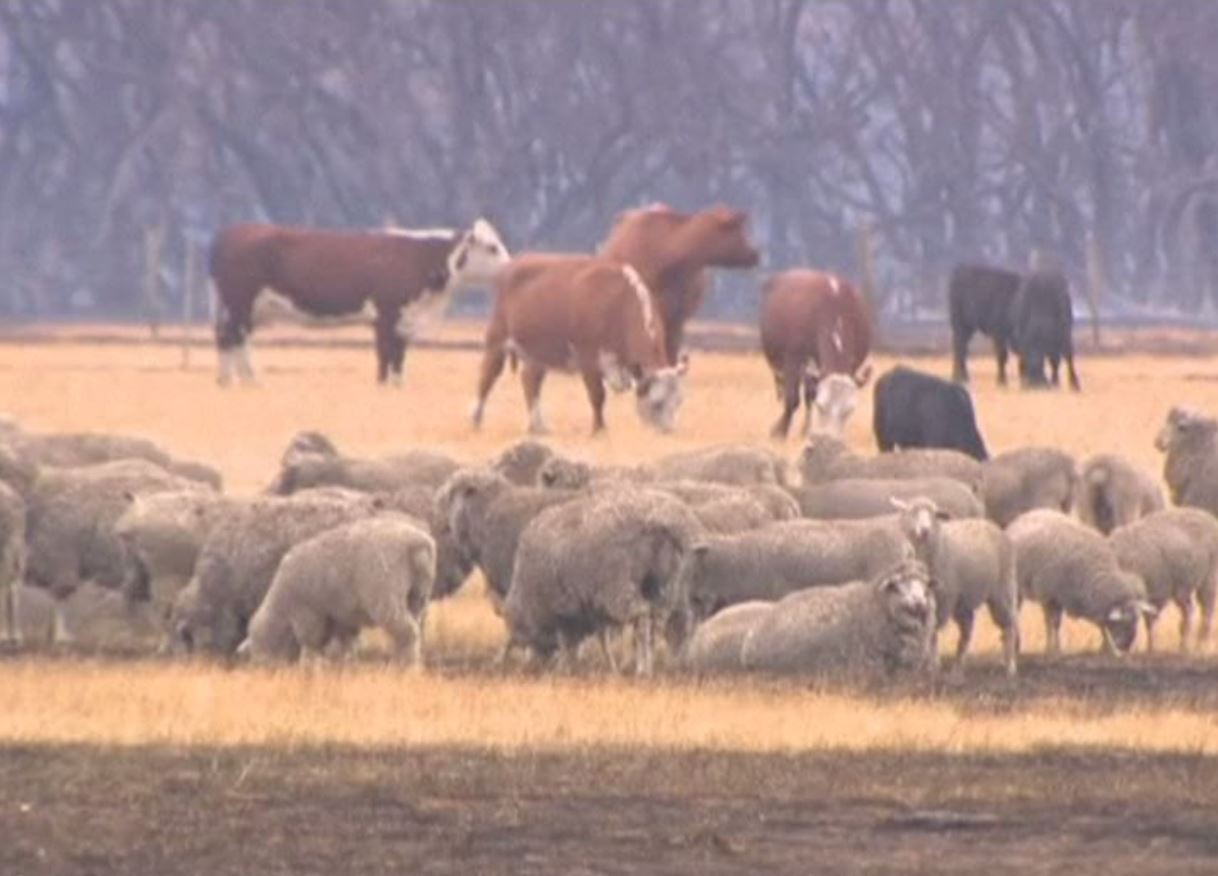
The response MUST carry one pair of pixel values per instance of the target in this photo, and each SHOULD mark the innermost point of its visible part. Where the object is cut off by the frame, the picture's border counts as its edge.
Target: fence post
(189, 283)
(1096, 284)
(867, 283)
(154, 236)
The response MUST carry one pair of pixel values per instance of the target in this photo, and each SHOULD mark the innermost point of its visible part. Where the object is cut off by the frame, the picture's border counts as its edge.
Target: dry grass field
(690, 770)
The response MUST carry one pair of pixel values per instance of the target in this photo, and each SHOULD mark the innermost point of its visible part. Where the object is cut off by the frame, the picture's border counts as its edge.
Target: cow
(914, 409)
(672, 250)
(980, 299)
(1042, 322)
(814, 324)
(583, 313)
(390, 278)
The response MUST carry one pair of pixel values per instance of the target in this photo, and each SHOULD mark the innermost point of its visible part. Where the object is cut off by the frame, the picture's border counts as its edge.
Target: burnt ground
(253, 811)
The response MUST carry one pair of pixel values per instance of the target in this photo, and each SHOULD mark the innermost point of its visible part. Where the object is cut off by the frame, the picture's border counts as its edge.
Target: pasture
(117, 763)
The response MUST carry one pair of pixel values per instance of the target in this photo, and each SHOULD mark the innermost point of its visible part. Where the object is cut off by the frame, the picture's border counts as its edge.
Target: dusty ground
(127, 764)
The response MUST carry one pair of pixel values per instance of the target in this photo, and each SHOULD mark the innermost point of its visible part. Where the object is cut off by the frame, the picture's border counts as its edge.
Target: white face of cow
(836, 398)
(477, 257)
(659, 397)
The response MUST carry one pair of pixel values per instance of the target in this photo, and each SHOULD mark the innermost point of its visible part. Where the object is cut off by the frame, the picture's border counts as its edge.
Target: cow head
(833, 401)
(477, 256)
(719, 238)
(659, 395)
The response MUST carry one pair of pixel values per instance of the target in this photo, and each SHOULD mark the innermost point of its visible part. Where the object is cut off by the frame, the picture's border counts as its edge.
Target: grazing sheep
(972, 563)
(453, 567)
(520, 462)
(416, 468)
(70, 519)
(307, 443)
(824, 458)
(239, 558)
(883, 624)
(560, 473)
(79, 449)
(736, 464)
(716, 644)
(1111, 491)
(770, 562)
(376, 572)
(12, 557)
(731, 514)
(599, 563)
(858, 498)
(162, 534)
(1189, 442)
(1025, 479)
(1175, 553)
(487, 514)
(1070, 568)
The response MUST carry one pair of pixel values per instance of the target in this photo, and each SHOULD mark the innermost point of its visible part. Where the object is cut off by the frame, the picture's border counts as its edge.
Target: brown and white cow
(391, 278)
(672, 250)
(580, 313)
(813, 325)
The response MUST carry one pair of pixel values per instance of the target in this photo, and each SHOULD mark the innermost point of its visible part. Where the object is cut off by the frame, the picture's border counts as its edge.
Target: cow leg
(791, 385)
(245, 367)
(594, 383)
(384, 335)
(532, 375)
(1055, 363)
(1001, 354)
(1069, 355)
(398, 360)
(960, 341)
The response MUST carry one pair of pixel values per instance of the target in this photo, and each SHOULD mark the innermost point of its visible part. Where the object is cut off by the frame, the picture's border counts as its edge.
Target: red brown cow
(582, 313)
(671, 251)
(268, 273)
(814, 325)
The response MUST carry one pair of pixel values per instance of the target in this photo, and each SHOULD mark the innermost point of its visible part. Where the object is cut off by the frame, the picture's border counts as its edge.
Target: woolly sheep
(561, 473)
(520, 462)
(453, 566)
(80, 449)
(1070, 568)
(972, 563)
(486, 515)
(1189, 442)
(883, 624)
(716, 644)
(1027, 478)
(599, 563)
(825, 458)
(1111, 491)
(12, 557)
(1175, 553)
(376, 572)
(737, 464)
(859, 498)
(385, 475)
(239, 558)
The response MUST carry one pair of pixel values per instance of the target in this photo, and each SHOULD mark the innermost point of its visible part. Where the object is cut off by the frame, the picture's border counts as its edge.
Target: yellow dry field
(142, 389)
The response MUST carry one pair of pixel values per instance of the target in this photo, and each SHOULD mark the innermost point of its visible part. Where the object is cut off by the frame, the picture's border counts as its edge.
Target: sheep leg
(610, 660)
(60, 633)
(1205, 598)
(407, 639)
(1185, 604)
(964, 623)
(1053, 625)
(643, 643)
(1006, 618)
(12, 632)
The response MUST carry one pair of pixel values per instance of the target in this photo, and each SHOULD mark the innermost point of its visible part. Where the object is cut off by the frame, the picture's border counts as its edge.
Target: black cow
(1042, 323)
(980, 299)
(913, 409)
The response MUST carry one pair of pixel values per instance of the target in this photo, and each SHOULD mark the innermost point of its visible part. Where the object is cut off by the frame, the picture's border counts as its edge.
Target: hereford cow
(671, 251)
(583, 313)
(981, 299)
(392, 278)
(1042, 322)
(913, 409)
(814, 324)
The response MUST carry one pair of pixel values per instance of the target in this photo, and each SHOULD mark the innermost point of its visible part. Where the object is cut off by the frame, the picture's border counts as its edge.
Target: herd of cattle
(728, 557)
(617, 317)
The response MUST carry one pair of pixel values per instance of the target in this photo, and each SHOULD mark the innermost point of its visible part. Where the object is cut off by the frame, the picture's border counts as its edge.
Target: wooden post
(188, 303)
(154, 237)
(1096, 283)
(866, 261)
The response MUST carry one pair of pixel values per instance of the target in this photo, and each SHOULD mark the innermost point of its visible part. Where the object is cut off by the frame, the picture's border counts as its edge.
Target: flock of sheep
(726, 558)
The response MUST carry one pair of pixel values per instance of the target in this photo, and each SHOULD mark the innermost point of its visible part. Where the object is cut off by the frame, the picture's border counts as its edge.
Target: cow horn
(862, 374)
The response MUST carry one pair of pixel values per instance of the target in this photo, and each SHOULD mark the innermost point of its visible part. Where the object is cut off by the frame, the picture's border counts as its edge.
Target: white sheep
(1112, 491)
(1024, 479)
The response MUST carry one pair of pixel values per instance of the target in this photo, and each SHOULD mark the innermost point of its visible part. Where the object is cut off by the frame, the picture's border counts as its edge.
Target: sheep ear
(1146, 609)
(899, 504)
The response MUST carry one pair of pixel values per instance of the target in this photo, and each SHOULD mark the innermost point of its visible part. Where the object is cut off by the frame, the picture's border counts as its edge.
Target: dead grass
(142, 390)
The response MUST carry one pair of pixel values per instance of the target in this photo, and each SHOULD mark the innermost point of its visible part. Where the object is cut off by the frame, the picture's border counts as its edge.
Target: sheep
(1111, 491)
(736, 464)
(307, 443)
(825, 458)
(883, 624)
(1070, 568)
(858, 498)
(70, 519)
(561, 473)
(12, 557)
(239, 558)
(80, 449)
(770, 562)
(373, 572)
(162, 534)
(598, 563)
(487, 514)
(520, 462)
(972, 563)
(17, 467)
(1175, 553)
(416, 468)
(453, 566)
(1189, 442)
(1027, 478)
(715, 645)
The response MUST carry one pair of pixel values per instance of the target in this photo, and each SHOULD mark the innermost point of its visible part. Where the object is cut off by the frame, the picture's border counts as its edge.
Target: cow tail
(513, 360)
